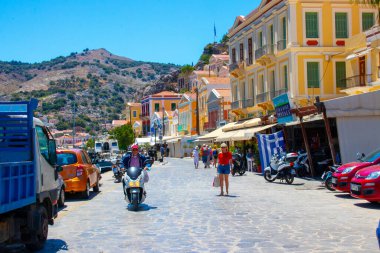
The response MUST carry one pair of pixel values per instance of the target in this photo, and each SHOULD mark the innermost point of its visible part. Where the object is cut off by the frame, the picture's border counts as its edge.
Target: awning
(173, 140)
(225, 136)
(358, 54)
(215, 133)
(249, 133)
(308, 118)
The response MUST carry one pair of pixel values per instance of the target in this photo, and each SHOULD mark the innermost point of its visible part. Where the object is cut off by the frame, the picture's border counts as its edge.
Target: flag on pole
(214, 32)
(269, 144)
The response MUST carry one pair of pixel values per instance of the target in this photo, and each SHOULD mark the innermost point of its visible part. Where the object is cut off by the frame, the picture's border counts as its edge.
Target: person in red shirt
(224, 167)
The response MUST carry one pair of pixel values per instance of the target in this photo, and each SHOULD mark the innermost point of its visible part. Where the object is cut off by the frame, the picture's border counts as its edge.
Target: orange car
(78, 172)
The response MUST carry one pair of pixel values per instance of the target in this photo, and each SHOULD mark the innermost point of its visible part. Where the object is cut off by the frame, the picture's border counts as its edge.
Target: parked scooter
(238, 164)
(301, 165)
(327, 176)
(281, 167)
(133, 184)
(118, 172)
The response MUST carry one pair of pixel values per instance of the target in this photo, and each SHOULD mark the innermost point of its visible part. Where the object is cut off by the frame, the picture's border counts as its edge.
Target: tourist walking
(205, 156)
(196, 157)
(224, 168)
(215, 155)
(249, 157)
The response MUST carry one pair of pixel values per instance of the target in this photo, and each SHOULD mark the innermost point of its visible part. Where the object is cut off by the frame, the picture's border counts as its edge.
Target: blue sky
(167, 31)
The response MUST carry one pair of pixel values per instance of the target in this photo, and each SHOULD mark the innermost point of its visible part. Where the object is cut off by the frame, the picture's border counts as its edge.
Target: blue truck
(29, 180)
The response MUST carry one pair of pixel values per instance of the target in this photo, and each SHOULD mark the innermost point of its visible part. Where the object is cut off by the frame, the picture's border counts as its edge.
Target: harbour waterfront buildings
(295, 46)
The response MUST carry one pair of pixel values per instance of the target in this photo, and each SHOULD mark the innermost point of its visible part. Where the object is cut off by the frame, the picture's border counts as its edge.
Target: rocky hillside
(96, 81)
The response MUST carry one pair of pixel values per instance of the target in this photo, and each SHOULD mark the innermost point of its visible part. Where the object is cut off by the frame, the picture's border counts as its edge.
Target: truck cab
(29, 180)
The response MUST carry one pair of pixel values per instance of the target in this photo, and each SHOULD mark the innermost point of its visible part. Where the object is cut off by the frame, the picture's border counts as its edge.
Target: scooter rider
(136, 160)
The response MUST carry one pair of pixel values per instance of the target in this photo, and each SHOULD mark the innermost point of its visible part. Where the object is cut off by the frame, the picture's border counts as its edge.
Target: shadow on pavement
(142, 207)
(54, 245)
(231, 196)
(284, 183)
(75, 197)
(344, 196)
(368, 205)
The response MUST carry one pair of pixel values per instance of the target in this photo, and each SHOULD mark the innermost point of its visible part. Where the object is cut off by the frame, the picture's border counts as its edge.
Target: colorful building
(133, 113)
(218, 107)
(218, 64)
(206, 85)
(296, 46)
(187, 114)
(165, 101)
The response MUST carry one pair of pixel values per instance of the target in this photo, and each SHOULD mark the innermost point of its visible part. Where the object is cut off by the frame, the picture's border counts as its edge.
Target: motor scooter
(327, 176)
(238, 164)
(281, 167)
(118, 172)
(134, 184)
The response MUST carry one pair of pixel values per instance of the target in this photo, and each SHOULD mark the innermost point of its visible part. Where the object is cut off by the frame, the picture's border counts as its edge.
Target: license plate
(333, 180)
(354, 187)
(293, 171)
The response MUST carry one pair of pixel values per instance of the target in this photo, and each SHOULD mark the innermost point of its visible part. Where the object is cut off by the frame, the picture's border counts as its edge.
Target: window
(250, 58)
(313, 74)
(156, 107)
(43, 142)
(262, 88)
(341, 30)
(233, 55)
(66, 159)
(241, 56)
(368, 20)
(273, 81)
(340, 74)
(286, 77)
(271, 35)
(260, 39)
(284, 28)
(311, 19)
(174, 106)
(134, 114)
(84, 158)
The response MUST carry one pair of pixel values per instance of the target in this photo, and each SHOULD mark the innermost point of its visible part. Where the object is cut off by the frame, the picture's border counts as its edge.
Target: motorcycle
(238, 165)
(133, 185)
(118, 172)
(281, 167)
(327, 176)
(301, 165)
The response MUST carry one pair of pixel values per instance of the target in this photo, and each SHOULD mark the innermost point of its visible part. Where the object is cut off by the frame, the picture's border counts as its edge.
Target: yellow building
(133, 112)
(294, 46)
(187, 122)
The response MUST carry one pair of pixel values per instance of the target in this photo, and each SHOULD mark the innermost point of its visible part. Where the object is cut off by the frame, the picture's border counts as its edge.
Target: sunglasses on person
(135, 150)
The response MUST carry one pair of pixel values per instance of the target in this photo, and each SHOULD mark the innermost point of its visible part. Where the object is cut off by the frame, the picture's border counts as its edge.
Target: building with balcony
(165, 101)
(133, 113)
(218, 107)
(294, 46)
(187, 124)
(206, 85)
(219, 64)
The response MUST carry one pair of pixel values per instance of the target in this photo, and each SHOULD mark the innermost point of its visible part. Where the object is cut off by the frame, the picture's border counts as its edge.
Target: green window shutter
(313, 75)
(311, 24)
(286, 77)
(367, 21)
(271, 35)
(156, 107)
(284, 28)
(261, 39)
(341, 27)
(340, 74)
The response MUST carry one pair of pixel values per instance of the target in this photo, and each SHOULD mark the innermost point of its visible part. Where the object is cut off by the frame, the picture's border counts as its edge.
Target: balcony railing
(248, 102)
(236, 104)
(272, 94)
(260, 98)
(260, 52)
(357, 81)
(281, 45)
(271, 49)
(249, 60)
(280, 91)
(233, 66)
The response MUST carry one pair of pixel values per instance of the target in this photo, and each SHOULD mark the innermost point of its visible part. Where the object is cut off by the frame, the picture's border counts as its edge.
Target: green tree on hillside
(90, 143)
(187, 69)
(225, 39)
(124, 135)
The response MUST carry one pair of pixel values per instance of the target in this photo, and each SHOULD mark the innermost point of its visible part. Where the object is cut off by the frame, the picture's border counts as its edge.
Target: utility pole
(163, 121)
(74, 112)
(197, 110)
(130, 115)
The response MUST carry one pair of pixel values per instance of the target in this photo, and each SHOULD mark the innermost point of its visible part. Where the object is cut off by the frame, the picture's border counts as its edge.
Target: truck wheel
(40, 236)
(61, 200)
(86, 193)
(96, 187)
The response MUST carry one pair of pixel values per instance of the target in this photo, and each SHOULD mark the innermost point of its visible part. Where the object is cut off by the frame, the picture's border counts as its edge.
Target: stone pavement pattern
(183, 214)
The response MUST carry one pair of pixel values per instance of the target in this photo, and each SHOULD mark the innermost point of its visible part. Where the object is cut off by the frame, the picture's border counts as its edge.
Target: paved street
(184, 214)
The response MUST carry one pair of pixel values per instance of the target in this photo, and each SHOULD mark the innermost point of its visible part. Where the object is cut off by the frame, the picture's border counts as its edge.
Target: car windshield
(372, 156)
(103, 164)
(66, 158)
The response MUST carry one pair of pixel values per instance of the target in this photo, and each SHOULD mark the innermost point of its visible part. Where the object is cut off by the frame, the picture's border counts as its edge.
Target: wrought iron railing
(355, 81)
(271, 49)
(281, 45)
(260, 52)
(260, 98)
(280, 91)
(236, 104)
(248, 103)
(233, 66)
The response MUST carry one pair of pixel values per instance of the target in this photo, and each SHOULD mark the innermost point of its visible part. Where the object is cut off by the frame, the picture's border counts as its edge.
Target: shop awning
(358, 54)
(173, 140)
(225, 136)
(249, 133)
(215, 133)
(305, 119)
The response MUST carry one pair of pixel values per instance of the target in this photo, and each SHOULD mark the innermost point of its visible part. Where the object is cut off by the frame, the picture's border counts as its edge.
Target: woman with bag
(224, 167)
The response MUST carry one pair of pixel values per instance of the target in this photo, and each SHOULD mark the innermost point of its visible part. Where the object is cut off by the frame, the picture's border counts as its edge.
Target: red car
(342, 177)
(366, 184)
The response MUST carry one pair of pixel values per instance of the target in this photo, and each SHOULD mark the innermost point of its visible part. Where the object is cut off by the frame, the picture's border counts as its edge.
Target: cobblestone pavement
(184, 214)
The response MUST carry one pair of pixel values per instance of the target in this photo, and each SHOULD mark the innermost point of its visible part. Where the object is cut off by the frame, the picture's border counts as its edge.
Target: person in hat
(224, 167)
(205, 155)
(196, 156)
